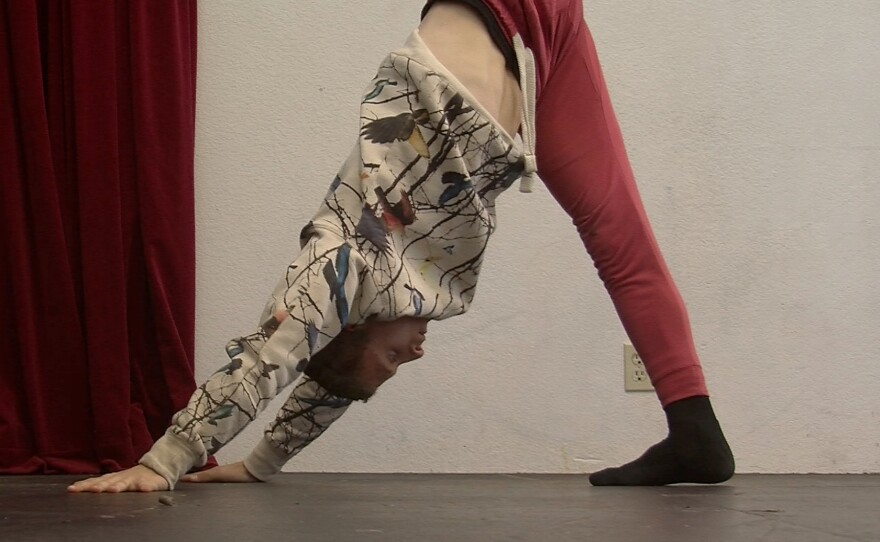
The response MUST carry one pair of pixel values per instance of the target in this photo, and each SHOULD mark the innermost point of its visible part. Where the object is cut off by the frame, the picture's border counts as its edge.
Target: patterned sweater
(401, 232)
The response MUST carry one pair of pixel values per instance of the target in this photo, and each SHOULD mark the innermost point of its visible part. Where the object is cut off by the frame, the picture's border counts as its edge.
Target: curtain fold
(97, 109)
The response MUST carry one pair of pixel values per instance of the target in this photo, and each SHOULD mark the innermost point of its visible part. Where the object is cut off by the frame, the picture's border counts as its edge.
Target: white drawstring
(526, 62)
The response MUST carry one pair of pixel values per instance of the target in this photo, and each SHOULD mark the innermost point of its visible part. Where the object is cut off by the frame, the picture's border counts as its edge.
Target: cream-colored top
(401, 232)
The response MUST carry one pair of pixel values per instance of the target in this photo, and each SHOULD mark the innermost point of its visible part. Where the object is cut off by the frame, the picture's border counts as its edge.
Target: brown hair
(335, 366)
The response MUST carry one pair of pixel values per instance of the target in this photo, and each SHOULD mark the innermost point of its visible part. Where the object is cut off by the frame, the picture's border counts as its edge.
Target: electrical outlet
(635, 378)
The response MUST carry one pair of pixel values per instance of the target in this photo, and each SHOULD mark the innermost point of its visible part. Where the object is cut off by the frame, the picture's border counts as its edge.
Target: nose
(416, 351)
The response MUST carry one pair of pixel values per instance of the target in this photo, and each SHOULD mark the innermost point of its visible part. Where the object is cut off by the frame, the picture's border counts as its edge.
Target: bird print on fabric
(312, 336)
(457, 182)
(305, 234)
(369, 167)
(371, 228)
(416, 298)
(402, 127)
(266, 369)
(377, 89)
(223, 411)
(336, 280)
(234, 348)
(396, 215)
(334, 185)
(231, 367)
(455, 107)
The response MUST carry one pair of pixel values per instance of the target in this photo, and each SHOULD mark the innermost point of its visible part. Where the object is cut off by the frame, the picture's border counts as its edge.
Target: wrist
(265, 461)
(170, 458)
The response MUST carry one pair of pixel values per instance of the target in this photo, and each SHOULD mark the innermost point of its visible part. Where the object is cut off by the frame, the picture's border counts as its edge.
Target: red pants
(582, 160)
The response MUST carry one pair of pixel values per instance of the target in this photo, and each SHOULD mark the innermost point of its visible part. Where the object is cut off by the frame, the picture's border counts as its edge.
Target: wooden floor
(460, 508)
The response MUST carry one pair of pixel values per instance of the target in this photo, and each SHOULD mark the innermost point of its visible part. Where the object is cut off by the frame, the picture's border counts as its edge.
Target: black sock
(695, 451)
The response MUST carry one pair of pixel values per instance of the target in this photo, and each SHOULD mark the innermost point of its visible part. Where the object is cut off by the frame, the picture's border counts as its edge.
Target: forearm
(306, 415)
(301, 318)
(218, 410)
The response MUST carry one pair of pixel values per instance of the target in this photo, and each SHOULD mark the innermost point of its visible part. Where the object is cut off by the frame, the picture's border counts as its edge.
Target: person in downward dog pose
(399, 240)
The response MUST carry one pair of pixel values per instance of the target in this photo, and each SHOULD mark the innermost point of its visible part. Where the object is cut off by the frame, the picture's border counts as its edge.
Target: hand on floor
(234, 472)
(137, 478)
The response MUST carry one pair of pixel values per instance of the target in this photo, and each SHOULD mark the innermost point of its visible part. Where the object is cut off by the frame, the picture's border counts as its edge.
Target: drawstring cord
(526, 62)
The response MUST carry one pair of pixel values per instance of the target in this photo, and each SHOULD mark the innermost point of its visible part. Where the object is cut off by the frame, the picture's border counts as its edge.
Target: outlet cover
(635, 378)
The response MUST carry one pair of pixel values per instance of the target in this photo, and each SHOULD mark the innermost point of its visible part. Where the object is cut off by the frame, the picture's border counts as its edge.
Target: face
(389, 345)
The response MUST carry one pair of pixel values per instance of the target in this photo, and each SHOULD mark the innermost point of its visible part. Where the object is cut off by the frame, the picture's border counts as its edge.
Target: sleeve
(305, 416)
(309, 307)
(582, 161)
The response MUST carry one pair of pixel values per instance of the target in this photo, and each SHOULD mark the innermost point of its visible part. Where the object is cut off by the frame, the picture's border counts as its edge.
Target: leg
(582, 160)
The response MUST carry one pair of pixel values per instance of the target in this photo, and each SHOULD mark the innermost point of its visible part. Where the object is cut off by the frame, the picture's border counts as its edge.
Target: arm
(303, 317)
(306, 313)
(305, 416)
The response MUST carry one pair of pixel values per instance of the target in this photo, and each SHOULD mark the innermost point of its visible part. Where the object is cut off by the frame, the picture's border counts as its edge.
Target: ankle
(691, 414)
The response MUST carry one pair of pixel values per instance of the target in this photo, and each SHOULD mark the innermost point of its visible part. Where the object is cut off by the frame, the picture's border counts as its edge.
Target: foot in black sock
(694, 452)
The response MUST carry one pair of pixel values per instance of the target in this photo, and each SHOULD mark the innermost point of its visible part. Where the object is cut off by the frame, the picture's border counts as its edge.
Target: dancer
(399, 240)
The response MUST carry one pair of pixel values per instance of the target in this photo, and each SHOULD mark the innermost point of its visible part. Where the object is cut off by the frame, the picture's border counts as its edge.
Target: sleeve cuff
(171, 458)
(265, 461)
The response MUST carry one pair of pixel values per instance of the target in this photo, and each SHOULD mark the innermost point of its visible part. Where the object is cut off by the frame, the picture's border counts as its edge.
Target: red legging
(583, 162)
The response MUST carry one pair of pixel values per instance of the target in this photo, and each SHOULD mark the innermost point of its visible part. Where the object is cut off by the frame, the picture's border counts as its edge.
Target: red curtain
(97, 102)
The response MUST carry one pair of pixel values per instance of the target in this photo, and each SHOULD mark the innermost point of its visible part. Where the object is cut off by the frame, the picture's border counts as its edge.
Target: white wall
(754, 131)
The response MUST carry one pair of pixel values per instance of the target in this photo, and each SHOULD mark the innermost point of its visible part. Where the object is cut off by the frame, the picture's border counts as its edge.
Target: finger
(210, 475)
(91, 488)
(145, 487)
(75, 487)
(98, 487)
(83, 485)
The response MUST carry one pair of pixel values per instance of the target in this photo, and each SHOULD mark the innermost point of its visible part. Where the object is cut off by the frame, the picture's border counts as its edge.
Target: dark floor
(460, 508)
